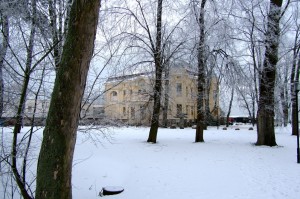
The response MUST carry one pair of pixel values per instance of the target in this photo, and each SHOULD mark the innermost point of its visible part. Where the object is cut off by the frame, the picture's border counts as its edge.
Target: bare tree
(29, 68)
(201, 63)
(56, 155)
(158, 76)
(265, 113)
(147, 45)
(166, 95)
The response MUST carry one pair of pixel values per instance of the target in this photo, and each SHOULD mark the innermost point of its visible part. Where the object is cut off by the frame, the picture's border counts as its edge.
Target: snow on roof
(128, 77)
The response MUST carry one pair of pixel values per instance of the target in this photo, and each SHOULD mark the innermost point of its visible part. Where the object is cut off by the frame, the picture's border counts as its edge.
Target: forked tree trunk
(201, 78)
(265, 113)
(158, 75)
(55, 160)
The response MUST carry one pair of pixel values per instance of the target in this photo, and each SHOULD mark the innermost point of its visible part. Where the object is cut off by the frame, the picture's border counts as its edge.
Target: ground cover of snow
(226, 166)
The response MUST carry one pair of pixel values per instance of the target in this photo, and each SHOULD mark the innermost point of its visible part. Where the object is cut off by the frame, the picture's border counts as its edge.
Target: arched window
(114, 96)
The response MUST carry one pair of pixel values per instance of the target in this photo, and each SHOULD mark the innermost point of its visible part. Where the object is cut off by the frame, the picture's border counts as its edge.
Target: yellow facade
(128, 98)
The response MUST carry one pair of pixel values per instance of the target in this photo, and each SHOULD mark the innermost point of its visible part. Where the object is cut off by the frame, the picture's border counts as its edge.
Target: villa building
(129, 97)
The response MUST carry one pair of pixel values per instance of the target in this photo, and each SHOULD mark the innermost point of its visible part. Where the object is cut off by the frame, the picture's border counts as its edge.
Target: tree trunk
(20, 112)
(284, 105)
(3, 50)
(158, 75)
(253, 121)
(208, 115)
(229, 108)
(295, 78)
(265, 113)
(201, 78)
(55, 160)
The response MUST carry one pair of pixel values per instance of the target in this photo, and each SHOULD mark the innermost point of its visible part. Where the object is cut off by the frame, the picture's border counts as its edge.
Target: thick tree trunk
(158, 75)
(55, 160)
(156, 109)
(201, 78)
(265, 113)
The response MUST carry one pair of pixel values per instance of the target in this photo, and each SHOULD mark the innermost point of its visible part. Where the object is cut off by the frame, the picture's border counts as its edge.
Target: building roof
(127, 77)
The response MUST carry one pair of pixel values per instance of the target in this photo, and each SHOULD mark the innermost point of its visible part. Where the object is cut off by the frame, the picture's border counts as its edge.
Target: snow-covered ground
(226, 166)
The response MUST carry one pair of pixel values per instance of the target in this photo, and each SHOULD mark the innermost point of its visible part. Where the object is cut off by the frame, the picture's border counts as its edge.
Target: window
(192, 110)
(187, 109)
(98, 112)
(187, 91)
(124, 92)
(179, 109)
(114, 96)
(124, 111)
(132, 112)
(178, 88)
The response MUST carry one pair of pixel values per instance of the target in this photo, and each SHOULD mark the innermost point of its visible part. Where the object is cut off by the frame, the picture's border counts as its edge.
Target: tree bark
(55, 160)
(295, 78)
(200, 122)
(158, 76)
(229, 108)
(265, 113)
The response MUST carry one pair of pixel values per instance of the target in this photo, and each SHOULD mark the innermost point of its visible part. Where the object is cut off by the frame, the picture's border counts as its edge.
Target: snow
(228, 165)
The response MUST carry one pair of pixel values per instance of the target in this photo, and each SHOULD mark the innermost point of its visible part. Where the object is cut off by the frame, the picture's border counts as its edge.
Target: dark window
(179, 109)
(132, 112)
(178, 88)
